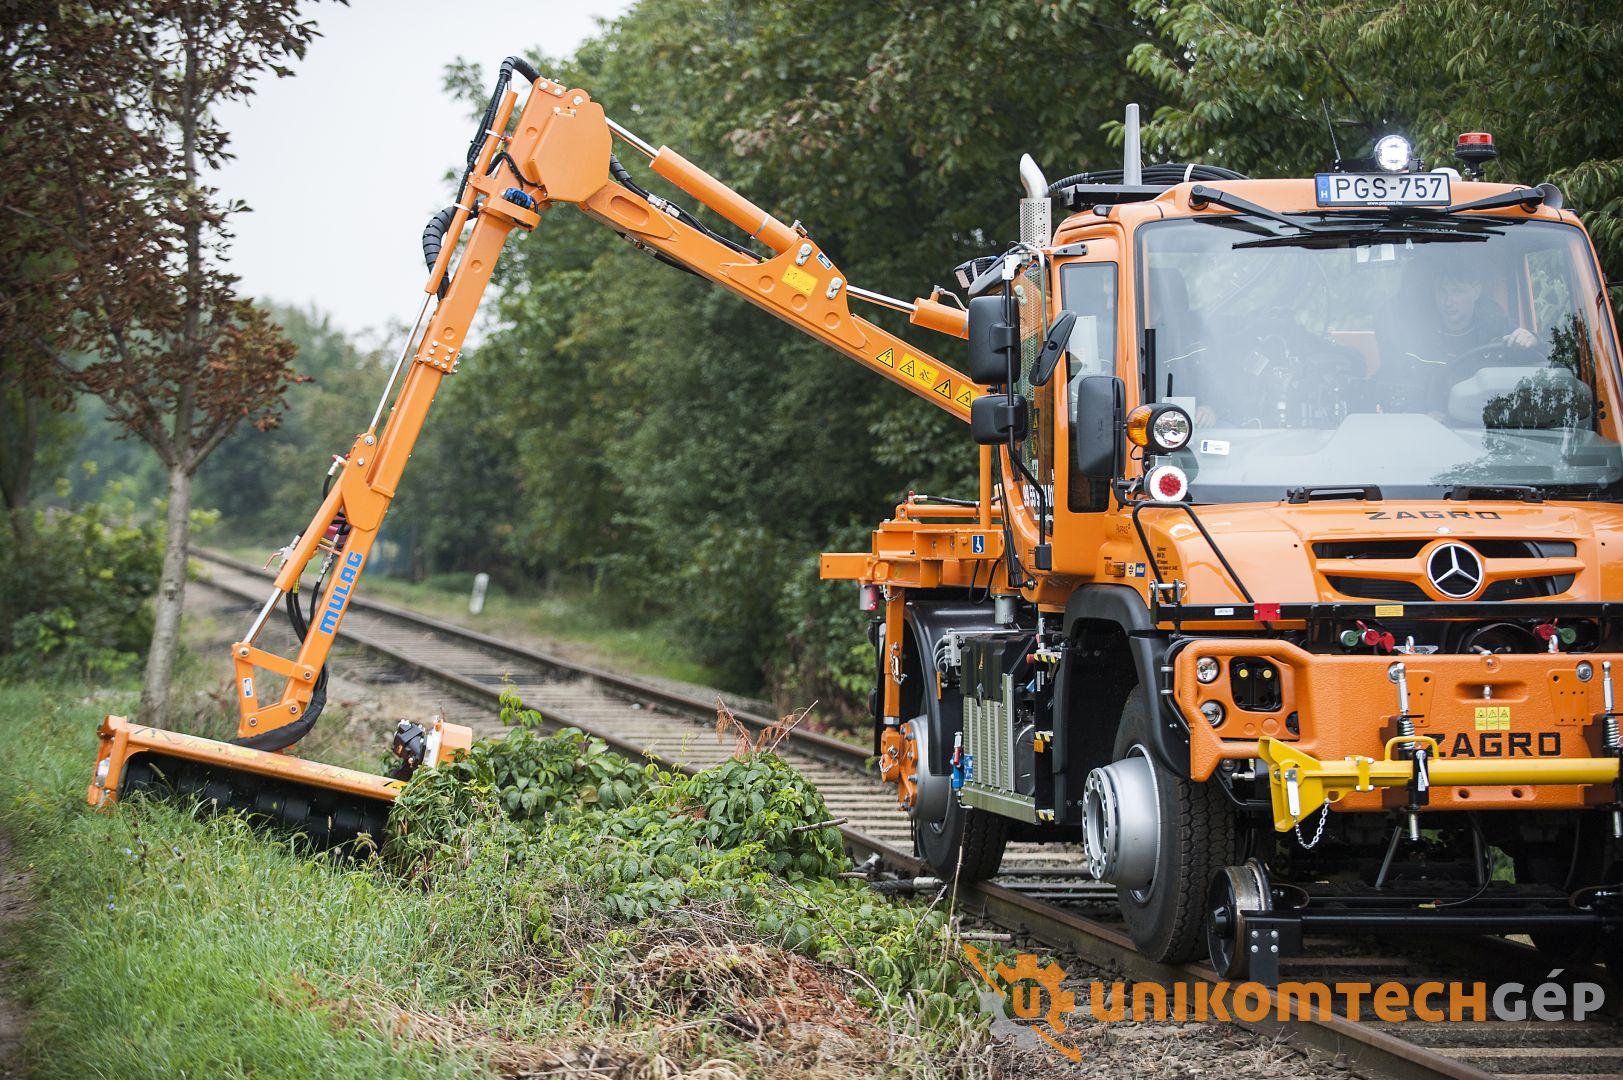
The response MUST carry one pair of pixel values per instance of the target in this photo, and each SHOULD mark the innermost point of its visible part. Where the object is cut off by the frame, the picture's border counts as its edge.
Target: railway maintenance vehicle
(1291, 588)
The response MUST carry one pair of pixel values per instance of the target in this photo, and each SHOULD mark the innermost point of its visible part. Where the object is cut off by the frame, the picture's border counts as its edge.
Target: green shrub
(541, 825)
(73, 593)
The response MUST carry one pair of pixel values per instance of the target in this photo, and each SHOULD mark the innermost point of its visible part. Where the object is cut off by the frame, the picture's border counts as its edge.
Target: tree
(63, 99)
(176, 355)
(688, 451)
(1252, 82)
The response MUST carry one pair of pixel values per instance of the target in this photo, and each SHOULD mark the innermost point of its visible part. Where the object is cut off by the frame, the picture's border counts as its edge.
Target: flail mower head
(328, 804)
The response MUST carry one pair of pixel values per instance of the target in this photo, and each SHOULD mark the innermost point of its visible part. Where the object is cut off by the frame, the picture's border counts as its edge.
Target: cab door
(1091, 286)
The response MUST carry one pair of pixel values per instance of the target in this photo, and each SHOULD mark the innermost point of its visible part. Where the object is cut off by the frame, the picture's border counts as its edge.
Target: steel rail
(823, 747)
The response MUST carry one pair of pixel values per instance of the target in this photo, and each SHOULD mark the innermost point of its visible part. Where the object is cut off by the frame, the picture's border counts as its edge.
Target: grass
(571, 614)
(159, 944)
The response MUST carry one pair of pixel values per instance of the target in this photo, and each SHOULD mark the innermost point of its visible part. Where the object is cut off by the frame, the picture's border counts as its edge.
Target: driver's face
(1456, 302)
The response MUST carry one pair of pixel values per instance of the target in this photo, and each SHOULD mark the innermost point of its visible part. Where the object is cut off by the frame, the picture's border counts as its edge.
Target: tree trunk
(171, 596)
(17, 451)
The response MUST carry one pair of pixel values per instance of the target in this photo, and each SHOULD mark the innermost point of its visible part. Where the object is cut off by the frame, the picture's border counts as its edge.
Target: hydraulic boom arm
(558, 151)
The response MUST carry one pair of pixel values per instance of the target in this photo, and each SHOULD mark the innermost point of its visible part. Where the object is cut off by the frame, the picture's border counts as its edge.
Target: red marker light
(1167, 483)
(1475, 138)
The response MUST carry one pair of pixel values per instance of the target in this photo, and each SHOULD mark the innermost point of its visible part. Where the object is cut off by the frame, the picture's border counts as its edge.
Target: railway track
(1039, 894)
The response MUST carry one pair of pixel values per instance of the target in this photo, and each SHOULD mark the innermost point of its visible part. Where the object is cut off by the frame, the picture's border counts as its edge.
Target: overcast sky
(344, 162)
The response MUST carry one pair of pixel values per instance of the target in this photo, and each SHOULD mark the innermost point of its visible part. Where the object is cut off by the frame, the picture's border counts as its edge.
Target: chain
(1318, 833)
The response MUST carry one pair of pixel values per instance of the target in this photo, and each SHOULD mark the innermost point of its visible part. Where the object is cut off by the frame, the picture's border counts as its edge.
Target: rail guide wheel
(1235, 893)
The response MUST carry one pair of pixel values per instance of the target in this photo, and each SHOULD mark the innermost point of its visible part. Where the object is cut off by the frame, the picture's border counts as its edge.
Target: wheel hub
(1121, 823)
(929, 791)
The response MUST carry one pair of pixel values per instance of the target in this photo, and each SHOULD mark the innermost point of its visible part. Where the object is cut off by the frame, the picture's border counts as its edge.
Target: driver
(1456, 320)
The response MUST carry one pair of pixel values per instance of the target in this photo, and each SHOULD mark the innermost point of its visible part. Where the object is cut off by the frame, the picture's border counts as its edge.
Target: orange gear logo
(1034, 991)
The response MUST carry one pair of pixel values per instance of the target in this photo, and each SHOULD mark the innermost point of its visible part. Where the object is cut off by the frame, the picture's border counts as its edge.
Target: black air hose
(434, 240)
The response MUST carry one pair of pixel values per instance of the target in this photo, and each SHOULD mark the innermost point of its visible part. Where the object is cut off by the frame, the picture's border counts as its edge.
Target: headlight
(101, 771)
(1393, 153)
(1170, 429)
(1206, 669)
(1212, 711)
(1162, 429)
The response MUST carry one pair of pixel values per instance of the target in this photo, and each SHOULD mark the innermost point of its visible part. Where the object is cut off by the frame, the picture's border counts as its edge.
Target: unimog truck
(1290, 590)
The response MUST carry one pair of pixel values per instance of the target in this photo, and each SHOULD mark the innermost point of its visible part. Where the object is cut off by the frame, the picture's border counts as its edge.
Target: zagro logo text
(338, 595)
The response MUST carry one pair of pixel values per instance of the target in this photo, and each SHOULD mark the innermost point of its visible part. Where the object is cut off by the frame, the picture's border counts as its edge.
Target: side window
(1090, 290)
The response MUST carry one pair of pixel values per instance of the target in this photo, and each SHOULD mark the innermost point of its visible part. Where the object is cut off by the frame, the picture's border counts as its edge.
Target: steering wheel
(1493, 354)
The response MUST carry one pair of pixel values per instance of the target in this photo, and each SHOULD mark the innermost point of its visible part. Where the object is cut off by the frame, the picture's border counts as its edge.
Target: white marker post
(476, 602)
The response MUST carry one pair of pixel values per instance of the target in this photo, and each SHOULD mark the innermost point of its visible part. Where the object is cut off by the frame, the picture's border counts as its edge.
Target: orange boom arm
(558, 151)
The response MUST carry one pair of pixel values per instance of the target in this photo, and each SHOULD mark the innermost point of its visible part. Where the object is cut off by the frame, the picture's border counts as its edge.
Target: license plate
(1383, 189)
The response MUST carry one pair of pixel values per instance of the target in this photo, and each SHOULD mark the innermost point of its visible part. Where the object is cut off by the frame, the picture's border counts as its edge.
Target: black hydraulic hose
(288, 734)
(434, 240)
(434, 233)
(622, 176)
(1169, 172)
(503, 77)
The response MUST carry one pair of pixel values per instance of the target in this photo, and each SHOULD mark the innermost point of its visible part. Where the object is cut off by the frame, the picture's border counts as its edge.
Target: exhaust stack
(1036, 210)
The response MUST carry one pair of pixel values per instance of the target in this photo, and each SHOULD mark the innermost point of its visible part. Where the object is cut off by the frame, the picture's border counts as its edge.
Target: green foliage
(154, 942)
(681, 449)
(73, 594)
(1250, 81)
(641, 847)
(149, 944)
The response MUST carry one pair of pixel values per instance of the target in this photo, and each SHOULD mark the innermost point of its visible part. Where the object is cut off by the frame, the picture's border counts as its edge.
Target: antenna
(1132, 162)
(1324, 102)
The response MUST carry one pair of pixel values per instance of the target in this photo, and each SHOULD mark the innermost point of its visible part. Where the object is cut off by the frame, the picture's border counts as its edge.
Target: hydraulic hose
(434, 240)
(288, 734)
(1169, 172)
(503, 77)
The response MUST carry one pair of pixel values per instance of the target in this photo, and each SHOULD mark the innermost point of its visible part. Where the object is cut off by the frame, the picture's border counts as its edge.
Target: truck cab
(1288, 595)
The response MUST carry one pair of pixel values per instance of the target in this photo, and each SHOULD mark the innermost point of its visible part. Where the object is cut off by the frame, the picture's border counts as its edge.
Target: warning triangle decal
(888, 358)
(907, 365)
(945, 389)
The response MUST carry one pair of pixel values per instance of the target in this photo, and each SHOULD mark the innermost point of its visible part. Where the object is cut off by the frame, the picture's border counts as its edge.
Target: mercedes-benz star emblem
(1455, 570)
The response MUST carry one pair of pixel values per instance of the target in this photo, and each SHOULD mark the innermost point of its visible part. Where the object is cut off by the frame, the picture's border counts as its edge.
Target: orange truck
(1285, 593)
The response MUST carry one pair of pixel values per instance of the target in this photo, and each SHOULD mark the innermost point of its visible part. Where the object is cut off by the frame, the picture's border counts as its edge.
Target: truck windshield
(1414, 359)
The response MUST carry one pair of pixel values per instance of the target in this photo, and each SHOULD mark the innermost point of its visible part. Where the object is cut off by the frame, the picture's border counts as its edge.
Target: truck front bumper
(1494, 732)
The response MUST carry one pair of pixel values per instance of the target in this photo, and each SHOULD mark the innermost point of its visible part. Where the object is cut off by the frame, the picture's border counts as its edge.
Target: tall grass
(157, 946)
(626, 931)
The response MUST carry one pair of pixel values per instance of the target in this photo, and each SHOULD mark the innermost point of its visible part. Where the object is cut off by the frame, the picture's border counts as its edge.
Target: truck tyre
(978, 835)
(1166, 919)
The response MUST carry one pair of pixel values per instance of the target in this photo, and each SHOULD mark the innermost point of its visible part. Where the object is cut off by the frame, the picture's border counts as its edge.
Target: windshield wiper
(1502, 492)
(1338, 234)
(1527, 198)
(1367, 492)
(1200, 196)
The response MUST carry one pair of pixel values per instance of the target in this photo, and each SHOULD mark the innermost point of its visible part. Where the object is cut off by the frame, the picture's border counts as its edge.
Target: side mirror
(997, 419)
(1054, 345)
(1097, 429)
(991, 340)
